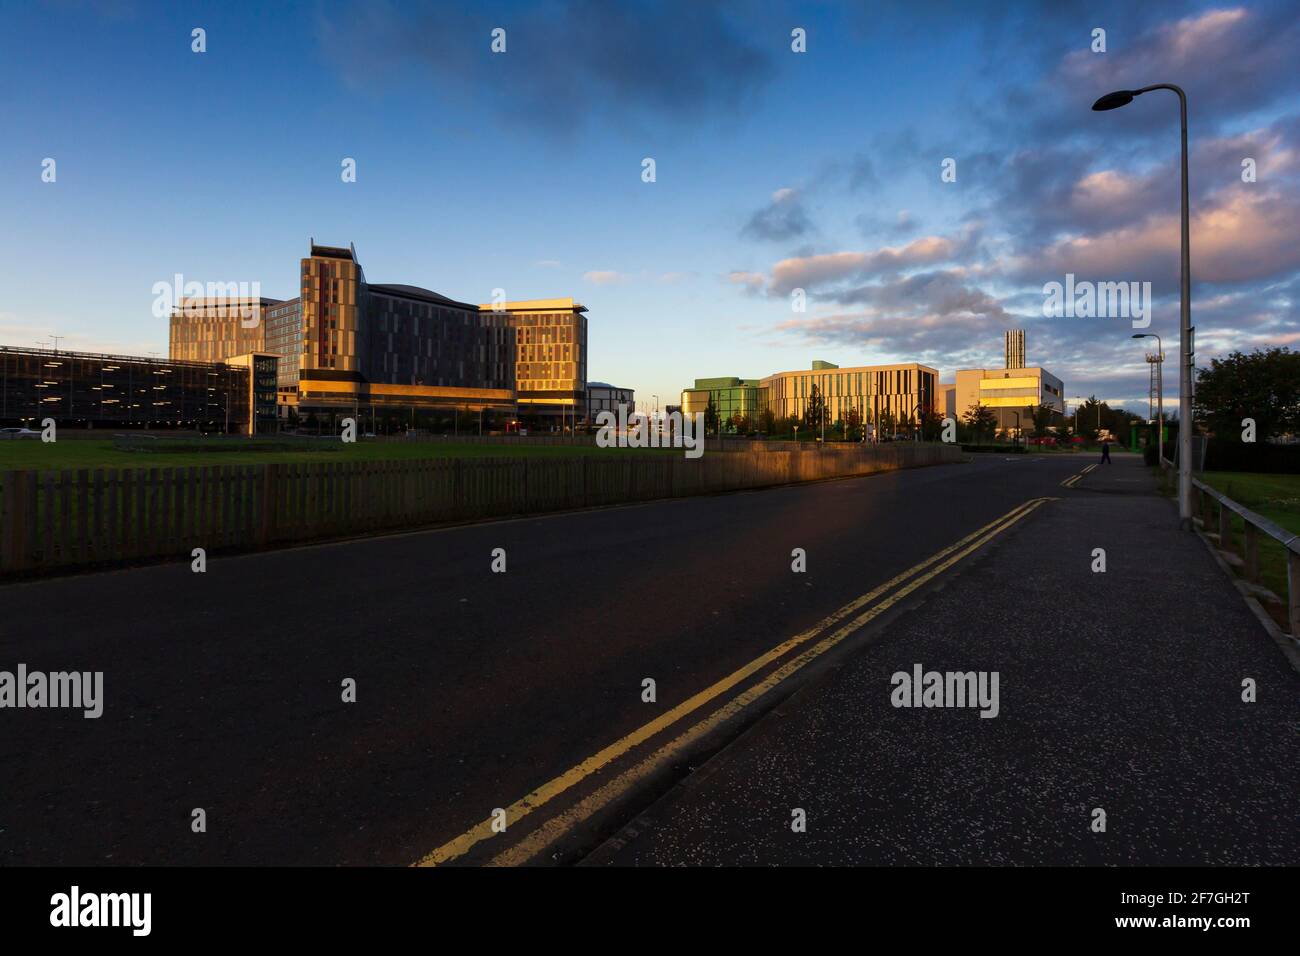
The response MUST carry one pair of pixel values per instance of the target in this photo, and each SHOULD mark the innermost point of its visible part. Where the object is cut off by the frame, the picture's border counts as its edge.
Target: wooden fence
(57, 519)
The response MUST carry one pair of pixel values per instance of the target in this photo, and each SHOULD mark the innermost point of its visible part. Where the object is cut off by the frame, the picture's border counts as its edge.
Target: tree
(711, 423)
(887, 423)
(741, 423)
(767, 421)
(931, 425)
(852, 424)
(1264, 385)
(1042, 418)
(980, 419)
(815, 413)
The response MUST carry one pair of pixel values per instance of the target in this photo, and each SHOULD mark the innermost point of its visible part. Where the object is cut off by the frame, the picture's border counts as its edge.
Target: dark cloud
(566, 62)
(784, 217)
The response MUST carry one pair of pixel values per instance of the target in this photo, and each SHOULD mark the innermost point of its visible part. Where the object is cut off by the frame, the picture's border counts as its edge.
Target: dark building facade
(89, 390)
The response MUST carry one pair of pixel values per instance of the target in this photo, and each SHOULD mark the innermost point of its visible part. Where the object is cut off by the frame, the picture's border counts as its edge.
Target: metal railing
(1253, 525)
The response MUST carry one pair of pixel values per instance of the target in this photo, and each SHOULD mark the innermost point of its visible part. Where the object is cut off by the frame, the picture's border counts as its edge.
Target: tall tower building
(1014, 348)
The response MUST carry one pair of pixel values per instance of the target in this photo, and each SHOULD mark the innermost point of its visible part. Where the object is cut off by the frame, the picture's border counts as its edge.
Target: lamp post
(1160, 393)
(1078, 403)
(1016, 412)
(1186, 351)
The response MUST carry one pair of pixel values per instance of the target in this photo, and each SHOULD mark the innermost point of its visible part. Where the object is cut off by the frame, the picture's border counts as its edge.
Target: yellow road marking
(553, 788)
(557, 826)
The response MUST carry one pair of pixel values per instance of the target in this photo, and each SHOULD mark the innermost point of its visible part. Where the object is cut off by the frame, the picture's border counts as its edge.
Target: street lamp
(1113, 101)
(1160, 393)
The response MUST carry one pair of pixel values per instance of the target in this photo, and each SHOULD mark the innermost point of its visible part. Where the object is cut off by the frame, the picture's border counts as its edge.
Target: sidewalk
(1118, 690)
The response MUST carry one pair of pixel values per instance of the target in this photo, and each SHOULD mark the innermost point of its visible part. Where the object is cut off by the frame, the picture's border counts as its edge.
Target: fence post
(268, 501)
(1293, 590)
(1252, 553)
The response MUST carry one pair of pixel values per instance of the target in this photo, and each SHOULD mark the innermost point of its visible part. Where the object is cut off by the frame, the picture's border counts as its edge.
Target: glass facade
(417, 339)
(85, 390)
(284, 337)
(731, 397)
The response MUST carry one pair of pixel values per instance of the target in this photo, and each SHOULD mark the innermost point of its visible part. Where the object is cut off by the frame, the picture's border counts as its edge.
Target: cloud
(1239, 237)
(604, 277)
(751, 282)
(547, 263)
(784, 217)
(817, 273)
(1047, 187)
(1223, 58)
(566, 63)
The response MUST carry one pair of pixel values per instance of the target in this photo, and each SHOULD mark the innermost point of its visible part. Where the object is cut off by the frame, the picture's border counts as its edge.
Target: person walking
(1105, 451)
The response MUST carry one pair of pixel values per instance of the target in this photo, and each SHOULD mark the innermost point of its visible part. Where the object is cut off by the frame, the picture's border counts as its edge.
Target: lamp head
(1113, 101)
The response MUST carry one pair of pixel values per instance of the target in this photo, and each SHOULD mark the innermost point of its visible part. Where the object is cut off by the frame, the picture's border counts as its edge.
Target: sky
(774, 171)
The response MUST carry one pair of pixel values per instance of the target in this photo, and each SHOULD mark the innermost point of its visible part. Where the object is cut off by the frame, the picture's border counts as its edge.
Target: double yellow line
(1073, 479)
(557, 826)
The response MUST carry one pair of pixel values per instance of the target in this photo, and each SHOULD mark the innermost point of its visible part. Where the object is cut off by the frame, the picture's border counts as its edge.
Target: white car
(15, 433)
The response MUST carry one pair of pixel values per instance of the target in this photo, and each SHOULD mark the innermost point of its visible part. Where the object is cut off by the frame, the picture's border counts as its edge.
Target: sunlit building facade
(213, 329)
(550, 356)
(1012, 393)
(893, 393)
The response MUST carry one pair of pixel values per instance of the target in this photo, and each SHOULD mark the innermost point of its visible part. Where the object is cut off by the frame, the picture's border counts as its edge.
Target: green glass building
(731, 396)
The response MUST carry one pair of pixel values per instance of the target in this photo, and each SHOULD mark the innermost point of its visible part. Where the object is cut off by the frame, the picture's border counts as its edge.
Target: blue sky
(775, 170)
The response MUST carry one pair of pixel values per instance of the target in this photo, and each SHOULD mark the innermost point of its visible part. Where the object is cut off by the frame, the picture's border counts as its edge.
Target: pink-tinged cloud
(811, 272)
(1169, 49)
(1240, 235)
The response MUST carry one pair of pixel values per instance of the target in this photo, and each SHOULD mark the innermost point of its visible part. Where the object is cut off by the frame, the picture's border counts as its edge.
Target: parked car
(16, 433)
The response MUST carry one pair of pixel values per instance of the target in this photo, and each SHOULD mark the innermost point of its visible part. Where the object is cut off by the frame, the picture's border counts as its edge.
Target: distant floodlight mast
(1113, 101)
(1160, 393)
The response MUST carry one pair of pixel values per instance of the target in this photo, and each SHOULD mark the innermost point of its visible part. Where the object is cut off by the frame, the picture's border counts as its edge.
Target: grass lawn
(1276, 497)
(78, 453)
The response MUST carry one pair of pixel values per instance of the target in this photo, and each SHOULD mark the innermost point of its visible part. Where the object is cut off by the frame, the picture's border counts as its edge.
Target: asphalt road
(223, 690)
